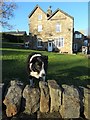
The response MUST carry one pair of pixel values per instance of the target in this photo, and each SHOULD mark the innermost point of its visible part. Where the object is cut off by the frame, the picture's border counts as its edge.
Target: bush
(12, 38)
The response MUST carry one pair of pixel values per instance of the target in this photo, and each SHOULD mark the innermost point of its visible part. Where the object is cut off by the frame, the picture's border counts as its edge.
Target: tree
(6, 13)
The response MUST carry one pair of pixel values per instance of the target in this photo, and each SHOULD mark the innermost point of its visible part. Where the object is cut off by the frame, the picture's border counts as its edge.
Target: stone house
(87, 43)
(78, 41)
(81, 43)
(52, 31)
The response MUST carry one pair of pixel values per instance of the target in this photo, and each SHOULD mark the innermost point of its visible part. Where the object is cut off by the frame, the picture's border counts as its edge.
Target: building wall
(49, 31)
(66, 30)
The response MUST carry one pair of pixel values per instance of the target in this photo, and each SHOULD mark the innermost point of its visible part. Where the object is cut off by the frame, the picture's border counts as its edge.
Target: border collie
(37, 67)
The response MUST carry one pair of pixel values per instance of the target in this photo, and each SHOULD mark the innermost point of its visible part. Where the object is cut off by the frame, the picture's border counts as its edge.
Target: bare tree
(6, 13)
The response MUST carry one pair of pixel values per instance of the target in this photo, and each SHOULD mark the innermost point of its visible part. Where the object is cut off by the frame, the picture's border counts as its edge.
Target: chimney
(49, 11)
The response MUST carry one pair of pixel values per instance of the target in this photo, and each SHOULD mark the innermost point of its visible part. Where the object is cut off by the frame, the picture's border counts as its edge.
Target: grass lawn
(65, 69)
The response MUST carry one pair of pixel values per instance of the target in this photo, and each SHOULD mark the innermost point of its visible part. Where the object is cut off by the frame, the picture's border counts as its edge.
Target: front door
(50, 46)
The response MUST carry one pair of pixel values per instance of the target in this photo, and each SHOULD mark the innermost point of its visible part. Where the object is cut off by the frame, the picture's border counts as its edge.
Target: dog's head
(37, 65)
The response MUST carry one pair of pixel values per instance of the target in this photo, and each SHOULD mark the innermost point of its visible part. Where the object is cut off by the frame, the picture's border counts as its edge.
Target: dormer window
(39, 17)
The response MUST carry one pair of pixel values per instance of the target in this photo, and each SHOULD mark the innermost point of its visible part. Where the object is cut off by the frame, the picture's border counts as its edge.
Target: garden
(64, 68)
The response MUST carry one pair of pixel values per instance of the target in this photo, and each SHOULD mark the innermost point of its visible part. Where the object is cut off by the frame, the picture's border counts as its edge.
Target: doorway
(50, 46)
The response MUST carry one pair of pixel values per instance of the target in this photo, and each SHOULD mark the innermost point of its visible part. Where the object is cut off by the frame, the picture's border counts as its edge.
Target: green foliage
(6, 13)
(66, 69)
(9, 38)
(12, 38)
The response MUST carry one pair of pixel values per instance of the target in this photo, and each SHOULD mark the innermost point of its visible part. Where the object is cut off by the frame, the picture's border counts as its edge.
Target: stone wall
(49, 100)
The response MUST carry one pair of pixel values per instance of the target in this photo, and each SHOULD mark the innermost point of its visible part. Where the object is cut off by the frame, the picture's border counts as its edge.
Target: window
(39, 28)
(58, 27)
(59, 42)
(26, 44)
(39, 42)
(78, 35)
(85, 42)
(39, 17)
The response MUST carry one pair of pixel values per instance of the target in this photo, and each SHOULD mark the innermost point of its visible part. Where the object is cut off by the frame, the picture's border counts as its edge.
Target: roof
(34, 10)
(60, 11)
(78, 32)
(17, 33)
(52, 13)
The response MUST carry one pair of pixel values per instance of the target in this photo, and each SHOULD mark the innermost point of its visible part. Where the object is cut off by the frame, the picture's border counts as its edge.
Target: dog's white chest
(34, 74)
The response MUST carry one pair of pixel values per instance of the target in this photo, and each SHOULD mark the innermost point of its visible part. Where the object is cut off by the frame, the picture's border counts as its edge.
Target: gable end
(62, 12)
(35, 10)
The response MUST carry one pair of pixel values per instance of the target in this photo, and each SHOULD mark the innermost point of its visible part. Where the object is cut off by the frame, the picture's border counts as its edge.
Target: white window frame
(39, 28)
(40, 17)
(58, 27)
(59, 42)
(39, 43)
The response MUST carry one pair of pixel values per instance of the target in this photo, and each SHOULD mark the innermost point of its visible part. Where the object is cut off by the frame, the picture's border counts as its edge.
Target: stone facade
(55, 30)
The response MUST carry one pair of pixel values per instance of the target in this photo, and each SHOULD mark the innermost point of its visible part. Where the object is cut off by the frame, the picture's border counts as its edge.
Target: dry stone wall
(44, 97)
(49, 99)
(70, 107)
(32, 99)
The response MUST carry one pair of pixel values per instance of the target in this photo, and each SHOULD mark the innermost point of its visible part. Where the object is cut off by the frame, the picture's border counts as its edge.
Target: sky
(79, 10)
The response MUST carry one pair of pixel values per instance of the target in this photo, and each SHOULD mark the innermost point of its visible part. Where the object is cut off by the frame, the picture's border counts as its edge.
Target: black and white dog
(37, 67)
